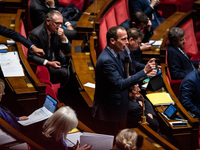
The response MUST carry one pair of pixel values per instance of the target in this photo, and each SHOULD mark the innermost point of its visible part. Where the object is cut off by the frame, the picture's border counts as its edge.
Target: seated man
(51, 38)
(39, 9)
(139, 21)
(133, 52)
(149, 8)
(189, 92)
(178, 61)
(135, 110)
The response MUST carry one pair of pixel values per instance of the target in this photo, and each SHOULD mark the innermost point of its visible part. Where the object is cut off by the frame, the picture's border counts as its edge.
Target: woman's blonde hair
(60, 123)
(126, 140)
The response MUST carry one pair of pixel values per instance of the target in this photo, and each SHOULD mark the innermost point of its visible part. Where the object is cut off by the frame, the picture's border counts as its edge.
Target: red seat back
(190, 46)
(23, 32)
(114, 17)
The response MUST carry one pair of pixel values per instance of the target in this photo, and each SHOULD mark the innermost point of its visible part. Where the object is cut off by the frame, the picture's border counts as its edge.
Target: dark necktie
(51, 46)
(133, 70)
(120, 63)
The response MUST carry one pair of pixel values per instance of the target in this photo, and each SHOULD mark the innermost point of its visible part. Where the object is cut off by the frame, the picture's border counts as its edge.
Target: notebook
(160, 98)
(42, 113)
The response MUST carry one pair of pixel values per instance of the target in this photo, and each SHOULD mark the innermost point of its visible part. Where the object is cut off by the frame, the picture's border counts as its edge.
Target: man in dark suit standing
(51, 38)
(111, 93)
(19, 38)
(178, 61)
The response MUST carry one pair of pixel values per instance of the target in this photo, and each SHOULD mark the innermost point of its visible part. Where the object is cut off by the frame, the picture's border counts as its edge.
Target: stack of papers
(10, 64)
(98, 141)
(160, 98)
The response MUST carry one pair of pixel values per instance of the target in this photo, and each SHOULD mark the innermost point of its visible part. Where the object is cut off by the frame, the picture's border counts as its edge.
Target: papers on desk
(10, 64)
(157, 44)
(160, 98)
(91, 85)
(98, 141)
(5, 138)
(3, 46)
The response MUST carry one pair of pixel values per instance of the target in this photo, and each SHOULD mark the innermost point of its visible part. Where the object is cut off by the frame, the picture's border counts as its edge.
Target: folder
(160, 98)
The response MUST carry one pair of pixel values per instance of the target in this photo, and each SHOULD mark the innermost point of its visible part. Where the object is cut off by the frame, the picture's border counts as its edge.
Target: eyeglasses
(57, 23)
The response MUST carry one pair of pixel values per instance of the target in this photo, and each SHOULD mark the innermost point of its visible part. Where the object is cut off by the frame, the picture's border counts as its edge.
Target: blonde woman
(127, 139)
(55, 129)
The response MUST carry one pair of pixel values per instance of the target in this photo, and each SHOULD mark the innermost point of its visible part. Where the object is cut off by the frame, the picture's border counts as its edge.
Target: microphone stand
(143, 109)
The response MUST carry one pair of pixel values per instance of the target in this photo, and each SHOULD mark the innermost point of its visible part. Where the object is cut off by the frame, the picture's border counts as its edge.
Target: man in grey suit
(111, 93)
(51, 38)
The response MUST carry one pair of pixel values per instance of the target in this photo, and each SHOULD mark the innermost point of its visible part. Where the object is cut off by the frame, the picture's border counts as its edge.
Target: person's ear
(47, 21)
(130, 39)
(112, 41)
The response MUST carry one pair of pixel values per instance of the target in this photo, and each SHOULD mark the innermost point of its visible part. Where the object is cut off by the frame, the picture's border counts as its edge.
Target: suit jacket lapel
(119, 65)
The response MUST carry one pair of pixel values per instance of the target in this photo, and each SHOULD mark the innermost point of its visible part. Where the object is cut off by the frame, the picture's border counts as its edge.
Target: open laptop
(155, 83)
(42, 113)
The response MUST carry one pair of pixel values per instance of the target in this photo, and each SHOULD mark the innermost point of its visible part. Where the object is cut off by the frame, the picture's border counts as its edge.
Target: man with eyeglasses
(51, 38)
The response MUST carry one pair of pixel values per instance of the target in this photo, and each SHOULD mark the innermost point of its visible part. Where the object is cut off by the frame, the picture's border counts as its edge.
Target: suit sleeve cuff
(45, 62)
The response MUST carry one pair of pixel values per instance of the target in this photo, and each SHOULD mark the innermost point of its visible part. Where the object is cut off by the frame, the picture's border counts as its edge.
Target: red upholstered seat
(114, 17)
(190, 46)
(80, 4)
(175, 5)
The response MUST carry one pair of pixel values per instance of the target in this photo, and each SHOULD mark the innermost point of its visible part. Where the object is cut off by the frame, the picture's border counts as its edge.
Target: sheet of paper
(98, 141)
(5, 138)
(10, 42)
(72, 138)
(88, 84)
(10, 64)
(159, 42)
(36, 116)
(3, 46)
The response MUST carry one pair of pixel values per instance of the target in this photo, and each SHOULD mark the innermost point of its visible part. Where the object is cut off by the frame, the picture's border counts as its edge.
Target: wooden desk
(84, 72)
(86, 22)
(186, 137)
(25, 93)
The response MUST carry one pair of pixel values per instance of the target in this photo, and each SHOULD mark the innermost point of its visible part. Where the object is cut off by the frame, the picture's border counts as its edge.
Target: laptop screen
(50, 103)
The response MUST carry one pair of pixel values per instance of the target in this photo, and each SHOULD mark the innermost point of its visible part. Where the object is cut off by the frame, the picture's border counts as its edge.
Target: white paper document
(98, 141)
(3, 46)
(88, 84)
(5, 138)
(36, 116)
(10, 64)
(72, 138)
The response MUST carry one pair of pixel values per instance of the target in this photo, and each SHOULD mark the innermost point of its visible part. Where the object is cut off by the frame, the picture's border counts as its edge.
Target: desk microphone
(127, 64)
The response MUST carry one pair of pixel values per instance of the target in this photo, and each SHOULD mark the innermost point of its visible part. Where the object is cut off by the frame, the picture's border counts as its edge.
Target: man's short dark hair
(112, 33)
(135, 33)
(175, 34)
(139, 17)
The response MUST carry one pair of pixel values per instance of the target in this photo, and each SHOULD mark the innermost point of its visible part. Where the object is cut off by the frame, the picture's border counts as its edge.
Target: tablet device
(170, 112)
(155, 82)
(50, 103)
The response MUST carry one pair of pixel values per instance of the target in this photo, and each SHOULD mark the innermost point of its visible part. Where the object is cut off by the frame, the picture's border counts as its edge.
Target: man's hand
(152, 73)
(38, 51)
(145, 46)
(22, 118)
(150, 66)
(154, 3)
(51, 3)
(54, 64)
(62, 34)
(70, 27)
